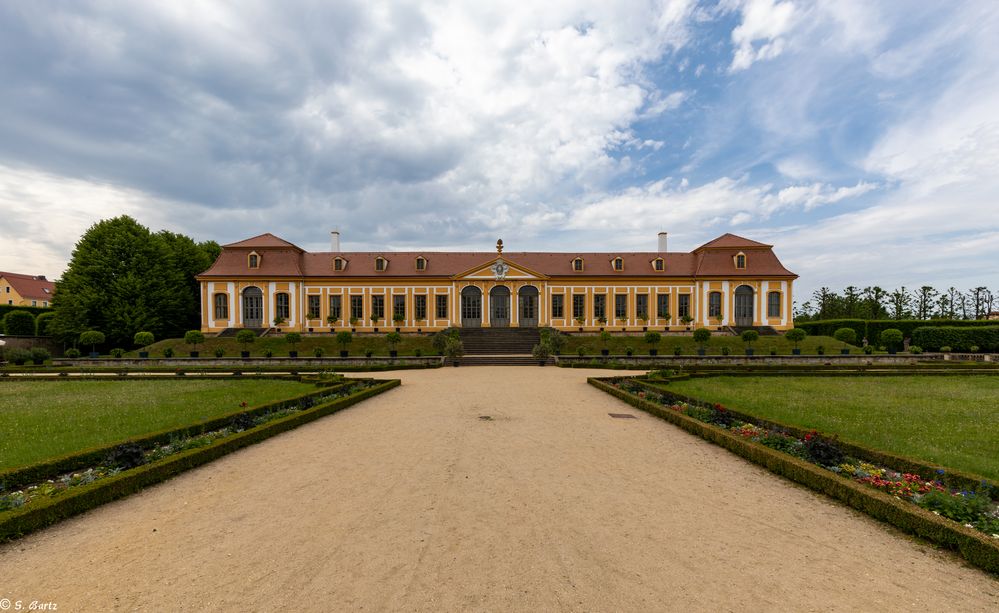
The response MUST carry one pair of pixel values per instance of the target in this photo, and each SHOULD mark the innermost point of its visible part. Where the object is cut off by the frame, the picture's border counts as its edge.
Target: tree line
(123, 278)
(874, 302)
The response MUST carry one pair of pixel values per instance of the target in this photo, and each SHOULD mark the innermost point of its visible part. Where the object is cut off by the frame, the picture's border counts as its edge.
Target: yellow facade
(10, 296)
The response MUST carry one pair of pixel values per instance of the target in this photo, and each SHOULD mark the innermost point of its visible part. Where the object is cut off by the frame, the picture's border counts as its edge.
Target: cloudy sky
(861, 138)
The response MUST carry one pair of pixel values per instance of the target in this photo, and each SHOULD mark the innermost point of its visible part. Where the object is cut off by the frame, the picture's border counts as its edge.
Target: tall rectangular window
(398, 307)
(558, 306)
(662, 306)
(378, 307)
(357, 307)
(773, 304)
(599, 306)
(221, 306)
(714, 304)
(313, 312)
(442, 306)
(683, 305)
(642, 306)
(420, 306)
(621, 306)
(578, 306)
(282, 306)
(336, 307)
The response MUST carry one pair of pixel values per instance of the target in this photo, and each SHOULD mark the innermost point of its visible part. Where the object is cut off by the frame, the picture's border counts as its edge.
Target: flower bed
(907, 500)
(130, 467)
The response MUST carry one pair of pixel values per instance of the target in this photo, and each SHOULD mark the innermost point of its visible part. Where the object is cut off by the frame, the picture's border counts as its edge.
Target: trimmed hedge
(42, 323)
(19, 323)
(976, 547)
(932, 338)
(36, 473)
(41, 513)
(871, 329)
(5, 308)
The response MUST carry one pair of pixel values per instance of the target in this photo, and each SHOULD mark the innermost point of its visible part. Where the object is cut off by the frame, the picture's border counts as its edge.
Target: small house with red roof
(25, 290)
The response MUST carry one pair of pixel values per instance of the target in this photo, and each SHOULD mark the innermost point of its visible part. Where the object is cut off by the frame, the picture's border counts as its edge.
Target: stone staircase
(497, 360)
(499, 341)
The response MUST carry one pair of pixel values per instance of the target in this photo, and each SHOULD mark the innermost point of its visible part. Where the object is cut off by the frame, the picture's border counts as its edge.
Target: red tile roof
(31, 287)
(282, 259)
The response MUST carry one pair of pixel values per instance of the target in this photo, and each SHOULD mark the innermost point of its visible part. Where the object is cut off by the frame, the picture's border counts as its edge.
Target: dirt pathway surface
(491, 489)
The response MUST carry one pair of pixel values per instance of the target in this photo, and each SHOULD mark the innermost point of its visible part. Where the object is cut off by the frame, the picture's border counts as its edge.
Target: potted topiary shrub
(374, 321)
(331, 320)
(194, 338)
(168, 352)
(892, 339)
(318, 352)
(701, 337)
(677, 350)
(725, 350)
(795, 335)
(605, 338)
(245, 338)
(629, 350)
(293, 339)
(72, 353)
(580, 321)
(845, 335)
(821, 350)
(344, 338)
(353, 324)
(92, 338)
(392, 339)
(915, 349)
(581, 351)
(144, 340)
(540, 353)
(39, 355)
(749, 337)
(602, 321)
(454, 350)
(644, 318)
(398, 320)
(268, 353)
(687, 320)
(718, 321)
(278, 321)
(219, 351)
(653, 339)
(556, 340)
(18, 356)
(117, 353)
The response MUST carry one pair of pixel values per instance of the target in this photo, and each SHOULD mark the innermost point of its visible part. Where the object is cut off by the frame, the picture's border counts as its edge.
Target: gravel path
(487, 489)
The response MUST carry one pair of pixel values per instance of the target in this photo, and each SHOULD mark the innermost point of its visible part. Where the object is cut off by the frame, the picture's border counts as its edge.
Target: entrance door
(744, 306)
(499, 305)
(471, 307)
(528, 307)
(253, 308)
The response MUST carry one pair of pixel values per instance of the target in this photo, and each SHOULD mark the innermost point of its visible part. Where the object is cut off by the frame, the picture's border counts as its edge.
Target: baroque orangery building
(730, 281)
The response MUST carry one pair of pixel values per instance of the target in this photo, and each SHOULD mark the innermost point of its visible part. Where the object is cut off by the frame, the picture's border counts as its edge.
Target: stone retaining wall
(249, 363)
(757, 360)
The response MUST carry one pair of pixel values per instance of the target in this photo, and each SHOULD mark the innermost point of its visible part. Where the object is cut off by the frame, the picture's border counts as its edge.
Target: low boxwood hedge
(41, 513)
(977, 548)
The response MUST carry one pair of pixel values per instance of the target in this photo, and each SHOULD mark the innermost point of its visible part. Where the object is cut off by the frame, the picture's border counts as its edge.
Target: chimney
(662, 242)
(335, 241)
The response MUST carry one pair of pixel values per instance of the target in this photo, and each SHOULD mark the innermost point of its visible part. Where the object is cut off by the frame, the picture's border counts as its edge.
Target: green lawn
(46, 419)
(280, 347)
(618, 345)
(952, 421)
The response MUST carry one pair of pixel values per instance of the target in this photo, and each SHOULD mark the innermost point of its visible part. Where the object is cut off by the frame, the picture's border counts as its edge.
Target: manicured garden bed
(47, 492)
(360, 345)
(619, 344)
(951, 421)
(46, 419)
(915, 502)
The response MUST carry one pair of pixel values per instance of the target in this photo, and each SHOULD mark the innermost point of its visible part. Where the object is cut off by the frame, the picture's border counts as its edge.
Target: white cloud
(760, 36)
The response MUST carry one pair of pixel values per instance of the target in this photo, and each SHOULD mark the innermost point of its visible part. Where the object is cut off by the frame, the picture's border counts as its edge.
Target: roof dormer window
(740, 261)
(421, 263)
(577, 265)
(381, 264)
(658, 265)
(618, 264)
(339, 264)
(253, 260)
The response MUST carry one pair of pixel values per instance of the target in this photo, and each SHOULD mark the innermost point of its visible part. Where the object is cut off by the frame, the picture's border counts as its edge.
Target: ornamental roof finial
(499, 246)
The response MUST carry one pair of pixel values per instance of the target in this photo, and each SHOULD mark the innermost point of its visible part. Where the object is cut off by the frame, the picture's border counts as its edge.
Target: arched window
(773, 304)
(658, 265)
(339, 264)
(253, 261)
(577, 265)
(381, 264)
(421, 263)
(618, 264)
(740, 261)
(283, 311)
(714, 304)
(221, 306)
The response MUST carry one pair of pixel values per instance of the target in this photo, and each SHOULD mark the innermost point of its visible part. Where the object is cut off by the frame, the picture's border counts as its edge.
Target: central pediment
(498, 269)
